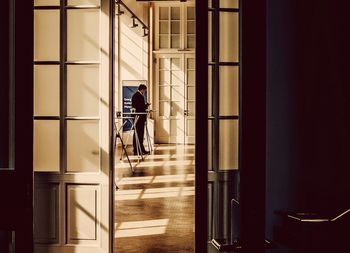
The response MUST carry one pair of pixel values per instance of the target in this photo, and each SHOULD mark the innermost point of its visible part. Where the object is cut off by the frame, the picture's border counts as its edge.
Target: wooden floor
(154, 210)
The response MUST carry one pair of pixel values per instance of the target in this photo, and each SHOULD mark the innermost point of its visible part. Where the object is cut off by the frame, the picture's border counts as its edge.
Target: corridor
(154, 209)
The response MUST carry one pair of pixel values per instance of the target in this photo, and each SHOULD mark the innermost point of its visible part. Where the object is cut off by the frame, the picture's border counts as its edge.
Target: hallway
(154, 209)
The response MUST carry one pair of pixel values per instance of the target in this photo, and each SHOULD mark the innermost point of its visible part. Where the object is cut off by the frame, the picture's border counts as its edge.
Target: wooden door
(72, 126)
(170, 97)
(16, 145)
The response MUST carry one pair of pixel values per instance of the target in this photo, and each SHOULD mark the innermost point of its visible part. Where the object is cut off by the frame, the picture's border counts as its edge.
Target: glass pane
(210, 91)
(229, 3)
(191, 77)
(164, 13)
(229, 37)
(164, 63)
(83, 146)
(46, 145)
(191, 27)
(177, 108)
(163, 41)
(228, 157)
(175, 27)
(164, 27)
(210, 35)
(84, 2)
(164, 109)
(190, 127)
(191, 13)
(176, 77)
(175, 64)
(46, 35)
(83, 90)
(46, 90)
(177, 93)
(83, 35)
(191, 41)
(210, 145)
(7, 241)
(191, 93)
(191, 63)
(175, 13)
(229, 90)
(175, 41)
(46, 2)
(164, 92)
(7, 93)
(191, 107)
(164, 77)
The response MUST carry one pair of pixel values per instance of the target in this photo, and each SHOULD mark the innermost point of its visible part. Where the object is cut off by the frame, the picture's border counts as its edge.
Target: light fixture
(133, 22)
(119, 12)
(145, 31)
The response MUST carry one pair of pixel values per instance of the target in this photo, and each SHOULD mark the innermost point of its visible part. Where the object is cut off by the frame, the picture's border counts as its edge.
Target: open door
(16, 145)
(230, 125)
(73, 126)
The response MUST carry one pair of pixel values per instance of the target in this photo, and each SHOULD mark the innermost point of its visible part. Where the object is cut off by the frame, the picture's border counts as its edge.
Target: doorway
(62, 175)
(175, 98)
(154, 208)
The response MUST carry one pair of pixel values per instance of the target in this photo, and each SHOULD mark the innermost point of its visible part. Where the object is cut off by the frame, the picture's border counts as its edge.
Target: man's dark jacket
(138, 102)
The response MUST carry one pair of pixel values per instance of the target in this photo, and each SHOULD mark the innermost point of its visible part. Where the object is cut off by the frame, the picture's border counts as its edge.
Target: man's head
(142, 88)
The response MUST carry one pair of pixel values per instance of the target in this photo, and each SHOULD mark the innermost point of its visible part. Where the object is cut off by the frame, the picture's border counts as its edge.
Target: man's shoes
(145, 152)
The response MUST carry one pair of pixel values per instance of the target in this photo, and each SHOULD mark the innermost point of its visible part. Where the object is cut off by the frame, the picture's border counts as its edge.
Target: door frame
(252, 125)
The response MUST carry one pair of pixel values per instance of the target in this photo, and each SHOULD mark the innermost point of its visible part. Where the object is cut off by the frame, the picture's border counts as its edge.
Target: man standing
(138, 103)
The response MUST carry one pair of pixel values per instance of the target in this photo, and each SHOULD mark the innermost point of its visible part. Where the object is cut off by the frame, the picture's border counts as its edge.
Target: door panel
(46, 217)
(74, 199)
(83, 212)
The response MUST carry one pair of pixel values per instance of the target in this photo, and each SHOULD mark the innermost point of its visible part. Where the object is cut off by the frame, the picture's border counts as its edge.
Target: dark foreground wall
(308, 105)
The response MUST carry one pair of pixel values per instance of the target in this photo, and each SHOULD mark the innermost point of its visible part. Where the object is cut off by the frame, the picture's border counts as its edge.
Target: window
(175, 27)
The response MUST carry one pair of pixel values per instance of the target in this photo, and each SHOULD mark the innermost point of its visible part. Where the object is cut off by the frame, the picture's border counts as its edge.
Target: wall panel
(82, 214)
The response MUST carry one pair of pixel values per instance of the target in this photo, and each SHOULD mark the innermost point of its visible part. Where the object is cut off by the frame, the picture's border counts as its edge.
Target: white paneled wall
(132, 48)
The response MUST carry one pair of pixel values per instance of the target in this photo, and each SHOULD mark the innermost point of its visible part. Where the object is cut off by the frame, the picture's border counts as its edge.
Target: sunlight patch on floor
(146, 163)
(174, 147)
(152, 193)
(141, 228)
(155, 179)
